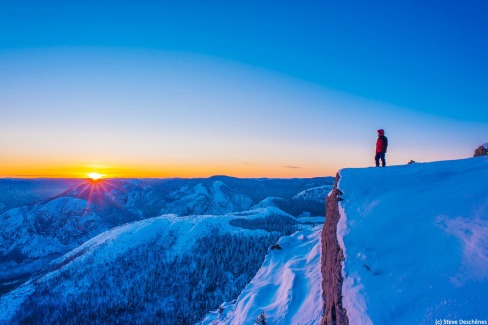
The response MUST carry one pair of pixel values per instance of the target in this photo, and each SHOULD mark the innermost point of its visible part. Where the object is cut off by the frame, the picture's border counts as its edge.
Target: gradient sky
(255, 89)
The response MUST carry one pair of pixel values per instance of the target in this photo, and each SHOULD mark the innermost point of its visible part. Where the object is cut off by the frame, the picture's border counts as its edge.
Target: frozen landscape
(211, 162)
(147, 249)
(412, 247)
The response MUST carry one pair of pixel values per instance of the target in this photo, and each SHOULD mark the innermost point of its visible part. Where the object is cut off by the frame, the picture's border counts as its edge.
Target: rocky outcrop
(481, 150)
(332, 257)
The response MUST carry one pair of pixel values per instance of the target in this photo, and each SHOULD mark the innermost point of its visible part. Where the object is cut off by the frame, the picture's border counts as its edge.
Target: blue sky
(247, 89)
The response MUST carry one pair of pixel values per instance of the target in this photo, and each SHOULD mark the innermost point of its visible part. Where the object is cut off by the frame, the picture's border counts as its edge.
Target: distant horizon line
(173, 177)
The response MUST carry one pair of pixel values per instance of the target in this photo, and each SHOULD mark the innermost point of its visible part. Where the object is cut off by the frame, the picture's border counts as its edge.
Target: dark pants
(380, 155)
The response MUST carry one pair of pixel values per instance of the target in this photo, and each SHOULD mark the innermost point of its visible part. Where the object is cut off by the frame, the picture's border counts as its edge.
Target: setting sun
(95, 176)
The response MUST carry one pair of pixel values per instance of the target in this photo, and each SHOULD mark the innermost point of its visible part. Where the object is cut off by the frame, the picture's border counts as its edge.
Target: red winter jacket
(382, 142)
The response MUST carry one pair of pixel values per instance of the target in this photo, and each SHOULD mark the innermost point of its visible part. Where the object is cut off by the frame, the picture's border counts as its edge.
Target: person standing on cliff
(381, 145)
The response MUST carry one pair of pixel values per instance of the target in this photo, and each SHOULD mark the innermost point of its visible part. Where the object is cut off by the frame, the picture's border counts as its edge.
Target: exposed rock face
(481, 150)
(332, 258)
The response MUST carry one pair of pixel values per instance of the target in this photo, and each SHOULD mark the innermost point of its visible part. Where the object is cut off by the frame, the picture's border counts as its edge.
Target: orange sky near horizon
(162, 171)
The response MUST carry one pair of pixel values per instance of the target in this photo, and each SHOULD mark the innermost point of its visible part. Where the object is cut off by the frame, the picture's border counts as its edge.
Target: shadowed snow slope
(287, 288)
(415, 239)
(163, 270)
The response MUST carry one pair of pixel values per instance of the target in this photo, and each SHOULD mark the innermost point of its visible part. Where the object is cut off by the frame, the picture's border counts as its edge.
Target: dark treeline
(150, 285)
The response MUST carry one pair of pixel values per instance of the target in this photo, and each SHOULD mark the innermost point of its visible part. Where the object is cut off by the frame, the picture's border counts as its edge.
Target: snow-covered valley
(95, 252)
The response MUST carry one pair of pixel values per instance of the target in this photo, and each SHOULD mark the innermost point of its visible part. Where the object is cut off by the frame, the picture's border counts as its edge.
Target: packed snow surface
(287, 288)
(415, 239)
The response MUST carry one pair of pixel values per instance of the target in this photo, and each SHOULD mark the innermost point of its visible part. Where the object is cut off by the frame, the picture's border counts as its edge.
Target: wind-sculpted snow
(165, 270)
(287, 288)
(415, 241)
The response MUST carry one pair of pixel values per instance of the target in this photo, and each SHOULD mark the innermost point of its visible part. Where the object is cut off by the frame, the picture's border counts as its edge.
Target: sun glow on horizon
(95, 176)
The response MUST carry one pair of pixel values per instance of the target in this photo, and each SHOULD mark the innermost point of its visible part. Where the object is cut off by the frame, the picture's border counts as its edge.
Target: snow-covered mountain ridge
(34, 234)
(415, 243)
(401, 245)
(98, 254)
(169, 268)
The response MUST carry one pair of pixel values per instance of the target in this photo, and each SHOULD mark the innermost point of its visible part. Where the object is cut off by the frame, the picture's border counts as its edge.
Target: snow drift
(415, 241)
(286, 289)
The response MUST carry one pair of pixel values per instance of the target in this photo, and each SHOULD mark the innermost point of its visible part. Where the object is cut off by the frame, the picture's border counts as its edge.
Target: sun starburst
(95, 176)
